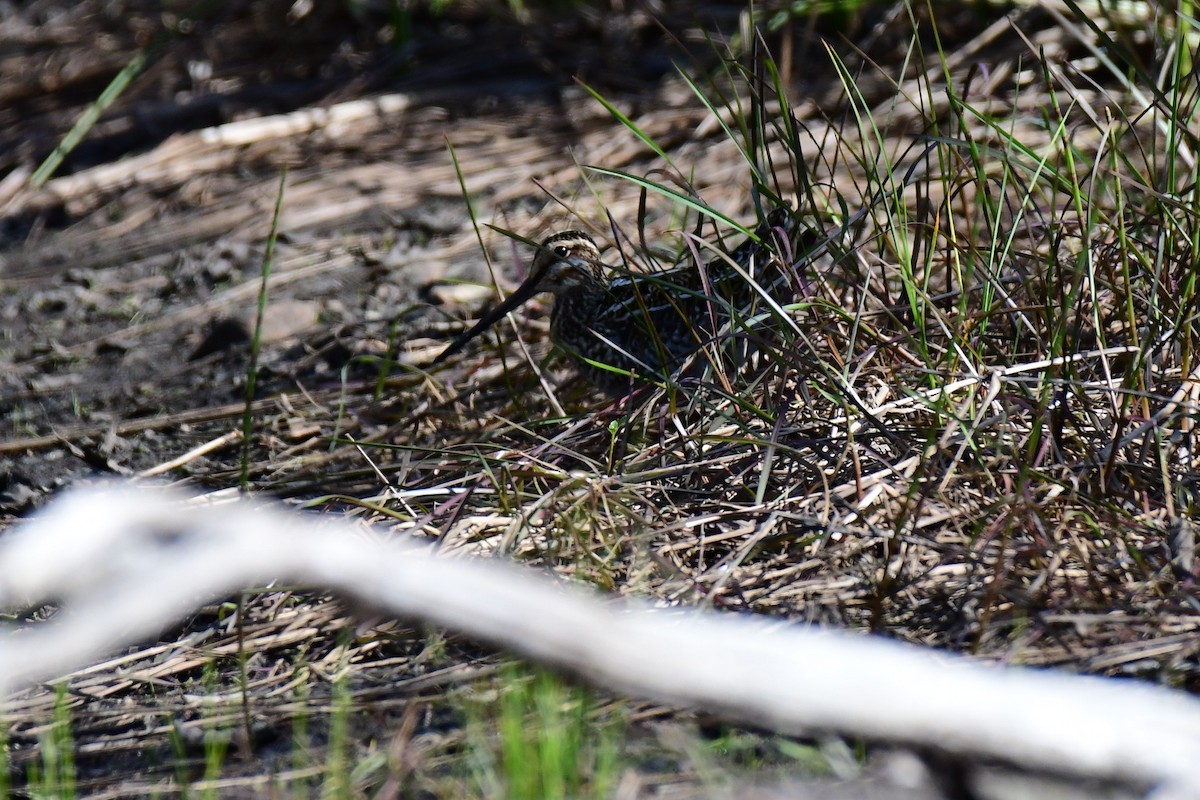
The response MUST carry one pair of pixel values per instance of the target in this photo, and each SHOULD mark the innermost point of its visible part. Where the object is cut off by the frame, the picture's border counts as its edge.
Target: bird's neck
(578, 305)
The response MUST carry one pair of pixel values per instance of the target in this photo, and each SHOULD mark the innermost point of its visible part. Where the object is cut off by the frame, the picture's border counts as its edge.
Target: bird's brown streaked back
(641, 324)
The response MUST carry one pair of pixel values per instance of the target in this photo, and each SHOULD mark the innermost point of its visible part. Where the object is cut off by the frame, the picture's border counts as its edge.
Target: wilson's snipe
(615, 323)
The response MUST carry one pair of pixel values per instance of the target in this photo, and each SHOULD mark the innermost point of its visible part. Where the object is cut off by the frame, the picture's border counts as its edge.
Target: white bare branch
(126, 562)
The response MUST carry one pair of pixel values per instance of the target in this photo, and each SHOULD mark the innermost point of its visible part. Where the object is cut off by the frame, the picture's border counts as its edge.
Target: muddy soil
(130, 279)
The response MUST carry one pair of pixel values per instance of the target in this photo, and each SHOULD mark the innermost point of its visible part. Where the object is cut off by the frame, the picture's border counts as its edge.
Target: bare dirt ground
(130, 283)
(121, 275)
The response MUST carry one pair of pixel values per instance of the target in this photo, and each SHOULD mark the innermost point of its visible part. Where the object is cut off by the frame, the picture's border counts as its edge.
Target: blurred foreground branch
(126, 562)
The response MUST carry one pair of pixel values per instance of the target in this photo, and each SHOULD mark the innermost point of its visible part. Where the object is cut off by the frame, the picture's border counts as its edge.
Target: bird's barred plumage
(645, 324)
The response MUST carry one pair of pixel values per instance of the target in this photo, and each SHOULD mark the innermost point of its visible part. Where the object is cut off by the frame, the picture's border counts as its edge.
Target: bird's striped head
(564, 262)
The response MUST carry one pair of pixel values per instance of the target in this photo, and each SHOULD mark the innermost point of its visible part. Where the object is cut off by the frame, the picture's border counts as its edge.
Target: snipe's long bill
(617, 325)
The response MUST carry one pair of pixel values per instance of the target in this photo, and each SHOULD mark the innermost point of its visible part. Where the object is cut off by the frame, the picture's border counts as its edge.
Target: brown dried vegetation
(974, 432)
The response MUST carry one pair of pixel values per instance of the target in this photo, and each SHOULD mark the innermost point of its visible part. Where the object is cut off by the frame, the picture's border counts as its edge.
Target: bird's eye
(561, 251)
